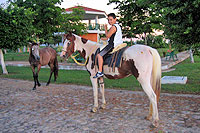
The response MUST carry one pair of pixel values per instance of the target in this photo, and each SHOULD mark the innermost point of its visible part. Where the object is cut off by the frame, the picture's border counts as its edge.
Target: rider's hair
(112, 15)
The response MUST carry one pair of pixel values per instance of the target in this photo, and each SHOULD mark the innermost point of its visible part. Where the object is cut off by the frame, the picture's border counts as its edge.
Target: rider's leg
(107, 49)
(100, 62)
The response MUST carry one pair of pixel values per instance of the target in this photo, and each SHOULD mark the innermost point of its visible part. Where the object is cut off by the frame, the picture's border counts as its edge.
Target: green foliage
(72, 22)
(15, 26)
(46, 17)
(181, 21)
(26, 21)
(53, 40)
(196, 48)
(59, 49)
(136, 17)
(156, 41)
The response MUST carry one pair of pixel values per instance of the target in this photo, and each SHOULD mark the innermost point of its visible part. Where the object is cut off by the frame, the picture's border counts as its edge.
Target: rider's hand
(105, 27)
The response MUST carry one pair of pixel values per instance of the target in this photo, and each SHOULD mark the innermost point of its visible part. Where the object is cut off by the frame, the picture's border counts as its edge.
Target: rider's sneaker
(98, 75)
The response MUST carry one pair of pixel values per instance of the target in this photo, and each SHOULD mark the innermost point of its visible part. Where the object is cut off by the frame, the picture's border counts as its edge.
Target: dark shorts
(106, 50)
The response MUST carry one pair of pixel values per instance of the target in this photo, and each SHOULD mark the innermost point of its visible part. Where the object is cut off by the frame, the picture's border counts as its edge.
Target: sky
(95, 4)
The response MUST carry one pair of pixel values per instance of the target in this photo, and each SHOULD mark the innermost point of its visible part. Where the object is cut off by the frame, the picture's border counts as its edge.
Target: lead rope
(81, 64)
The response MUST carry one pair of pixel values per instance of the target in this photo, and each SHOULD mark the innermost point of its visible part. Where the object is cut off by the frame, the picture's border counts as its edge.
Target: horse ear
(29, 44)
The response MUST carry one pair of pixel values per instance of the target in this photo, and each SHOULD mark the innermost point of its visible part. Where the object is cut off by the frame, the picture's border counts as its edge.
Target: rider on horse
(114, 37)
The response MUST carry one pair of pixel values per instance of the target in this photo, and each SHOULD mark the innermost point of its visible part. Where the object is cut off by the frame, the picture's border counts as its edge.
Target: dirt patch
(66, 108)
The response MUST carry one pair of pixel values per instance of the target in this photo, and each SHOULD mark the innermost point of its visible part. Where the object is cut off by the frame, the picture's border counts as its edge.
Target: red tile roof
(85, 9)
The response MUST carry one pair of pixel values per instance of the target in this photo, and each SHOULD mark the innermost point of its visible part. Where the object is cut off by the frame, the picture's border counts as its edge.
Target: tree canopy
(180, 20)
(25, 21)
(15, 26)
(46, 17)
(72, 22)
(136, 17)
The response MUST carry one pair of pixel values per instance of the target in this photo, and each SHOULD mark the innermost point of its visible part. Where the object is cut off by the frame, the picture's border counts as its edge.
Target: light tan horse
(41, 57)
(141, 61)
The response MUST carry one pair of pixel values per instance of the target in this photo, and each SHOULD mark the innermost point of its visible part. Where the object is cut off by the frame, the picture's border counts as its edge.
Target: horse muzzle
(37, 58)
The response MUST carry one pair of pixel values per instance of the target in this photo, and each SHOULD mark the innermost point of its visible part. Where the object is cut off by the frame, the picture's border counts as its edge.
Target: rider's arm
(109, 34)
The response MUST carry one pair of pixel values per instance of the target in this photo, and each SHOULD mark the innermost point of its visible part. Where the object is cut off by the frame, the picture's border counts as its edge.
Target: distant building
(93, 29)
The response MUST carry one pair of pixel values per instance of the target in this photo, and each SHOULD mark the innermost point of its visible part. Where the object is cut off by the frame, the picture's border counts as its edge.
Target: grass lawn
(192, 71)
(16, 56)
(24, 57)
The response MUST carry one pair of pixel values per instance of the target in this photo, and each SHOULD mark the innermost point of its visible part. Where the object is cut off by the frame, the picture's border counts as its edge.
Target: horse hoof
(94, 109)
(39, 85)
(34, 89)
(155, 124)
(103, 106)
(149, 117)
(47, 84)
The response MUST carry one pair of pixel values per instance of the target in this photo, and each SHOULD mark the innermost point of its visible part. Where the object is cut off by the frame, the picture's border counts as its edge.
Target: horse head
(35, 51)
(68, 48)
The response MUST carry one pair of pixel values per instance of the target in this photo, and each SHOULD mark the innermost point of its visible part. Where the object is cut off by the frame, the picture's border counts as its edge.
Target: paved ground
(66, 108)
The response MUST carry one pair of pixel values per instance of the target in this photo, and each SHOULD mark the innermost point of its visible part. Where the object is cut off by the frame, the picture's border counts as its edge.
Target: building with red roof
(93, 29)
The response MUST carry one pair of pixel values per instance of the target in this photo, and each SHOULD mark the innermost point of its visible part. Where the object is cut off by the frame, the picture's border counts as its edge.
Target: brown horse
(41, 57)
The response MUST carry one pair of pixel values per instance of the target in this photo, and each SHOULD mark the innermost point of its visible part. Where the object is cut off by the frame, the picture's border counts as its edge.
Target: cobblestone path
(66, 108)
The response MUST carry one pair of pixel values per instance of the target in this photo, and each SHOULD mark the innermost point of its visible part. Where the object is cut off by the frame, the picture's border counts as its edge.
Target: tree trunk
(5, 51)
(3, 63)
(191, 56)
(145, 38)
(131, 41)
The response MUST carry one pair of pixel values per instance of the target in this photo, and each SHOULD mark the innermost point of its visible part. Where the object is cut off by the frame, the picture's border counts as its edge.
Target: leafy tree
(181, 20)
(15, 26)
(15, 29)
(47, 16)
(136, 17)
(156, 41)
(72, 22)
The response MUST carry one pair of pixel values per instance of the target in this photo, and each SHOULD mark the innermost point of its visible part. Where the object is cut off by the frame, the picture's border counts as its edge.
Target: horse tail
(156, 73)
(55, 68)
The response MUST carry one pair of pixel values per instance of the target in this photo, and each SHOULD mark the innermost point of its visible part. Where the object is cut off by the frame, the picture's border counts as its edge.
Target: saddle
(112, 59)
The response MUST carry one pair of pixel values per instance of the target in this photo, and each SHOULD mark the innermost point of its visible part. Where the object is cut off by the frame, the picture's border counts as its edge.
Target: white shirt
(117, 37)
